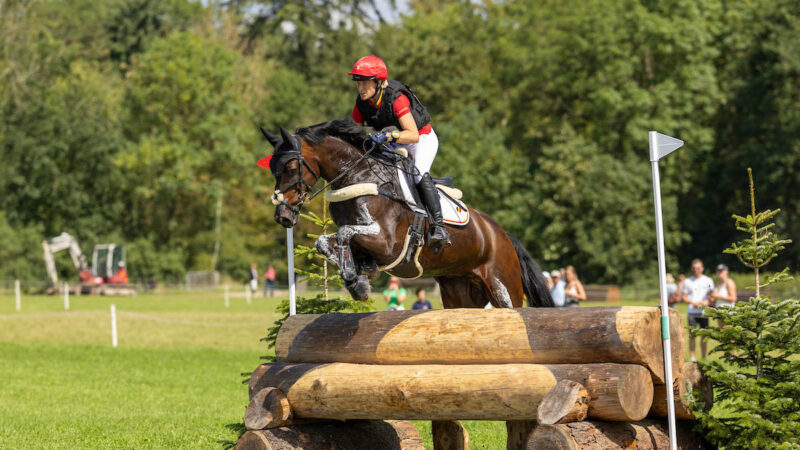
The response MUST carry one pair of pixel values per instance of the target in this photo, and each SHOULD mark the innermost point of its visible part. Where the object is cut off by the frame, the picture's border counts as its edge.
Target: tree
(756, 381)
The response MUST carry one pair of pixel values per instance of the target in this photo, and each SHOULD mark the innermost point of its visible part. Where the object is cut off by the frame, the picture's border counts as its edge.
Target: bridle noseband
(278, 197)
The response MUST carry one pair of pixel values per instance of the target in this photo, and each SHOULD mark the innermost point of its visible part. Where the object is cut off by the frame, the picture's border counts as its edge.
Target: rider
(383, 103)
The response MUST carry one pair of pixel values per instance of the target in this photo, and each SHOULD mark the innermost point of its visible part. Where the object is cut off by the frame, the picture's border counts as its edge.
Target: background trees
(132, 120)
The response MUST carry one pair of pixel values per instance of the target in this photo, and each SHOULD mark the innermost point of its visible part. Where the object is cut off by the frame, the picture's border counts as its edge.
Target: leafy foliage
(756, 381)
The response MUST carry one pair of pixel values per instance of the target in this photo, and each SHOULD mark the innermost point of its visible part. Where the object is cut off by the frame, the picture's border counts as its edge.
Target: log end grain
(567, 402)
(647, 342)
(690, 378)
(449, 435)
(269, 408)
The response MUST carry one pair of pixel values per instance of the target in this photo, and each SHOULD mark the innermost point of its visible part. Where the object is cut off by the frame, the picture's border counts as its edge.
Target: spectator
(394, 295)
(253, 278)
(672, 290)
(422, 302)
(575, 292)
(548, 280)
(269, 281)
(724, 293)
(558, 292)
(695, 292)
(677, 296)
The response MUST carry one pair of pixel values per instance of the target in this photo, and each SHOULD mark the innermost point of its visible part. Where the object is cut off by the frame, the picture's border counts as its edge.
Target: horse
(483, 265)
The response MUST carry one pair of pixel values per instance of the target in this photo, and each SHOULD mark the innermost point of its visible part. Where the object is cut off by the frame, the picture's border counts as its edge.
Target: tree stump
(449, 435)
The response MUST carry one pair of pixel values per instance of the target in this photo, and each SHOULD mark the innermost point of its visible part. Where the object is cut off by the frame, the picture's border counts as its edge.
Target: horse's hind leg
(466, 291)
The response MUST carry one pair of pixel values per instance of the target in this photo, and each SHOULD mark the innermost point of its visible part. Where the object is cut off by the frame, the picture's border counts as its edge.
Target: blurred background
(135, 122)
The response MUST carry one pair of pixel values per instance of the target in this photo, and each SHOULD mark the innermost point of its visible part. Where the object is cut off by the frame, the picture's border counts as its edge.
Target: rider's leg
(424, 153)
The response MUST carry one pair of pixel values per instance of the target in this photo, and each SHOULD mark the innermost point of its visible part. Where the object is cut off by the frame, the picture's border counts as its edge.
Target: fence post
(66, 296)
(227, 298)
(18, 295)
(247, 292)
(113, 326)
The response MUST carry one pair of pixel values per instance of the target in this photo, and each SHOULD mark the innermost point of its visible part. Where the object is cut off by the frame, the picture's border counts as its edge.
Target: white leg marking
(370, 227)
(502, 294)
(325, 248)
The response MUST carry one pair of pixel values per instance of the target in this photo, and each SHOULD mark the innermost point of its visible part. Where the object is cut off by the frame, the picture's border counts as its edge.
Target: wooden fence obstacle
(595, 435)
(625, 335)
(355, 435)
(689, 378)
(345, 391)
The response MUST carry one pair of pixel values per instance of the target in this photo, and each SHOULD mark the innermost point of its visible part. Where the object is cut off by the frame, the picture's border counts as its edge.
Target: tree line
(135, 121)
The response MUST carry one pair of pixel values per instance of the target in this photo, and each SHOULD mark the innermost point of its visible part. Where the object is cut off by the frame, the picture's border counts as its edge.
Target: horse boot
(438, 237)
(347, 265)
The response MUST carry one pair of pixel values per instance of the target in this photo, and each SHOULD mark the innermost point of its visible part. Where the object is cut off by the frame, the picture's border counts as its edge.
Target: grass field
(175, 381)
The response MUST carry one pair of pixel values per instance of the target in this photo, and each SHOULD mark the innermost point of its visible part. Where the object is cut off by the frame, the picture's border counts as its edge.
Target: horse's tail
(533, 282)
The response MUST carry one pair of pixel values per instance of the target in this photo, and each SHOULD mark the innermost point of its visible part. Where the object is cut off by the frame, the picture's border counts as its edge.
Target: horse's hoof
(359, 289)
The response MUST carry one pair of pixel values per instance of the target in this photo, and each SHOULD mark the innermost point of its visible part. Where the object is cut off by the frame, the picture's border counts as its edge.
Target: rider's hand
(378, 138)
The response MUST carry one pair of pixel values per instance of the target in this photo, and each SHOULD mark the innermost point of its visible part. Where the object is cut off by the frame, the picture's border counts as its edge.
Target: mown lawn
(175, 381)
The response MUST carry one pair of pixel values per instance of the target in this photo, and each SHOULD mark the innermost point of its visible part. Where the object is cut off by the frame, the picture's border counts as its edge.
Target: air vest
(384, 116)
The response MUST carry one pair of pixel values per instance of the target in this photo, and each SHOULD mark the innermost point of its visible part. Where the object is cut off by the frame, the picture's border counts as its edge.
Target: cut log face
(567, 402)
(356, 435)
(269, 408)
(690, 378)
(629, 335)
(596, 435)
(451, 392)
(449, 435)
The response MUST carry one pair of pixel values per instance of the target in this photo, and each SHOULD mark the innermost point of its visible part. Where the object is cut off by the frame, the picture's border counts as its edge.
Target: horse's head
(295, 172)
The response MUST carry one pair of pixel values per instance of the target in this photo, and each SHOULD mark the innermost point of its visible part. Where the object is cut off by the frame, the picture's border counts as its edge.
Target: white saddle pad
(454, 212)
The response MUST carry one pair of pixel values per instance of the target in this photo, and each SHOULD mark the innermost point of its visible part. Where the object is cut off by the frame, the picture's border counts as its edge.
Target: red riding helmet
(368, 68)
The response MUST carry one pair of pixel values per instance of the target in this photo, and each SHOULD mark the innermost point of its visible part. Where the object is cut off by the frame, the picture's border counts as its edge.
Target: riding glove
(378, 138)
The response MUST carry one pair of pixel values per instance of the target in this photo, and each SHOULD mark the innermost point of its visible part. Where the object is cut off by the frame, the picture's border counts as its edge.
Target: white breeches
(423, 152)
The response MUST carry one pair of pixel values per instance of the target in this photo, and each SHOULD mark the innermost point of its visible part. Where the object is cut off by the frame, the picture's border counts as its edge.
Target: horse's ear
(273, 139)
(287, 137)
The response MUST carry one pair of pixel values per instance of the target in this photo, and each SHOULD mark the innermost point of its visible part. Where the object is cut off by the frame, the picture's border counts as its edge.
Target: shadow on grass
(237, 428)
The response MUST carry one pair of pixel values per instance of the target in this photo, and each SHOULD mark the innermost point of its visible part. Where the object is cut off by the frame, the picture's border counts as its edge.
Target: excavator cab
(106, 260)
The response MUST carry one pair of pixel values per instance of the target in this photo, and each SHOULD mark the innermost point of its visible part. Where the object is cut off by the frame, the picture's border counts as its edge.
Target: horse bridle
(278, 198)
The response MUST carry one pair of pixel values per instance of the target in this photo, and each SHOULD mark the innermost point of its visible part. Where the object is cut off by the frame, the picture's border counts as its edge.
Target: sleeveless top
(722, 289)
(570, 300)
(384, 116)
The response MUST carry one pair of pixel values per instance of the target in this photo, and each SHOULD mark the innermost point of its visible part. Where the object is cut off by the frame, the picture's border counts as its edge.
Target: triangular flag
(662, 145)
(264, 162)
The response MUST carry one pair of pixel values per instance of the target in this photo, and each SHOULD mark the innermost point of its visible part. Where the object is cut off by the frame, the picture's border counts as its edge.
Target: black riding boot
(438, 238)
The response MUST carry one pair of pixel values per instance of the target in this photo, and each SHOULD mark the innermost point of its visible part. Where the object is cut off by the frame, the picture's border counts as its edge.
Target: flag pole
(290, 257)
(655, 155)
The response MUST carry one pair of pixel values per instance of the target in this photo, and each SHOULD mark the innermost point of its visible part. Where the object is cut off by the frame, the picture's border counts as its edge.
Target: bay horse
(483, 265)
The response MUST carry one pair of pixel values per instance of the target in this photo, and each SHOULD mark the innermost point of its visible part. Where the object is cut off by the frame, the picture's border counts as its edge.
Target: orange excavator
(106, 276)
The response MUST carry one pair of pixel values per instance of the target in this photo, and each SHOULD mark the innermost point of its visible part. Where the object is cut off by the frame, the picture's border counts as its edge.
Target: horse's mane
(344, 129)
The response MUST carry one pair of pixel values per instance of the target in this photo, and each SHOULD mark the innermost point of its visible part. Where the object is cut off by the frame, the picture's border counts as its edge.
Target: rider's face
(366, 89)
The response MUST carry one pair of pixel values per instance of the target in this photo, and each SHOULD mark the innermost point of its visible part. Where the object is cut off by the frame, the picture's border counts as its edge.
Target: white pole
(290, 257)
(66, 296)
(247, 292)
(227, 297)
(113, 326)
(18, 295)
(662, 276)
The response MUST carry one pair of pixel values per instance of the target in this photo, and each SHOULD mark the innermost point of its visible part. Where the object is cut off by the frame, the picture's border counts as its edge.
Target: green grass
(173, 382)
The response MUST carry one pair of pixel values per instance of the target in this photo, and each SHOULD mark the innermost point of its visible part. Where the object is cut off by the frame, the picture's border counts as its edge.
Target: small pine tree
(756, 380)
(316, 273)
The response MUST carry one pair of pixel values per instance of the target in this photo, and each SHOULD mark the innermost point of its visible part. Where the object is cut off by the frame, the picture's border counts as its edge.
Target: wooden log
(689, 378)
(449, 435)
(519, 431)
(451, 392)
(567, 402)
(269, 408)
(626, 335)
(355, 435)
(596, 435)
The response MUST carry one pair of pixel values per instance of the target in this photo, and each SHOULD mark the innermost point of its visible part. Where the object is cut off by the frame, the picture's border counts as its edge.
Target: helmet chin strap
(378, 91)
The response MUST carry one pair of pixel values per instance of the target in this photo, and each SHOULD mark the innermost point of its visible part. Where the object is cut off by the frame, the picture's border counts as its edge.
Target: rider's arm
(409, 134)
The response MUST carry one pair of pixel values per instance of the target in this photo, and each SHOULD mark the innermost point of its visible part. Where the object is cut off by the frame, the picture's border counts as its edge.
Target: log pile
(556, 375)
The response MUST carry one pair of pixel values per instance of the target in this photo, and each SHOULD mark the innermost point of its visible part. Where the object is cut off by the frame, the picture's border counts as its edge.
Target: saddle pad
(454, 212)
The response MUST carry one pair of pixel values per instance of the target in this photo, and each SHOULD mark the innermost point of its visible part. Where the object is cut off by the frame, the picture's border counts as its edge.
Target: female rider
(383, 103)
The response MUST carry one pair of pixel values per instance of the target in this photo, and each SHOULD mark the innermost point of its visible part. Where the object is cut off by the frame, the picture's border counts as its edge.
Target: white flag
(662, 145)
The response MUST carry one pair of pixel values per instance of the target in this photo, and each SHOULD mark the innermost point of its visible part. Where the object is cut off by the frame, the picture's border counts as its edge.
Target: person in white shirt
(696, 290)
